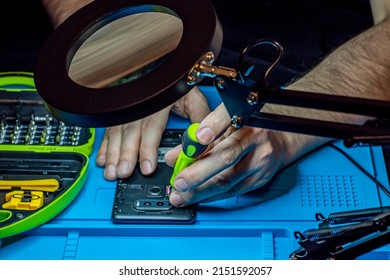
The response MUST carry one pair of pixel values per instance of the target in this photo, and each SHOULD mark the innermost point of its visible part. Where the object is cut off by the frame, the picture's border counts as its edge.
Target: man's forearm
(59, 10)
(360, 68)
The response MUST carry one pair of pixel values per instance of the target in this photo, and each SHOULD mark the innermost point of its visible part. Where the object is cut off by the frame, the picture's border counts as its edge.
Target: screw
(252, 98)
(19, 216)
(191, 80)
(236, 121)
(220, 83)
(209, 57)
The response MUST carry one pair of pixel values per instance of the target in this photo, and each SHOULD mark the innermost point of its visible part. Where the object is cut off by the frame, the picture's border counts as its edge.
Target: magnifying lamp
(114, 62)
(118, 61)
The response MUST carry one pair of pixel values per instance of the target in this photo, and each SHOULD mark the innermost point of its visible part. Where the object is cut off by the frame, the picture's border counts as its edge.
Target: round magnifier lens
(114, 62)
(126, 49)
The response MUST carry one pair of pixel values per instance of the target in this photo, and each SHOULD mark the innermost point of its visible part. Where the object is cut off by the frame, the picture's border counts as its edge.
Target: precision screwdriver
(190, 151)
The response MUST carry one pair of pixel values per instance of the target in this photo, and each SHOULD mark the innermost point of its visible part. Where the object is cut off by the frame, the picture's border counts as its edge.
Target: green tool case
(43, 161)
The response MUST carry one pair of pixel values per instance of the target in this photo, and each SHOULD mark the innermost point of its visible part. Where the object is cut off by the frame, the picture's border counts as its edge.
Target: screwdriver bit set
(43, 161)
(38, 130)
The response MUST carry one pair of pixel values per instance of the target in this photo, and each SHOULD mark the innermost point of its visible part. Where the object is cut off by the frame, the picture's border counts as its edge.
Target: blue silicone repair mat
(258, 225)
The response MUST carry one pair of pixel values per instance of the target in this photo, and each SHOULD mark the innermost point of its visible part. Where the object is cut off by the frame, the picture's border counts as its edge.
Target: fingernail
(146, 167)
(123, 167)
(181, 185)
(110, 171)
(176, 199)
(101, 160)
(205, 135)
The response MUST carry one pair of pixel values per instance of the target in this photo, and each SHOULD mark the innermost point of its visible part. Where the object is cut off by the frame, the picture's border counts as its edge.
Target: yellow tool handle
(191, 149)
(23, 200)
(46, 185)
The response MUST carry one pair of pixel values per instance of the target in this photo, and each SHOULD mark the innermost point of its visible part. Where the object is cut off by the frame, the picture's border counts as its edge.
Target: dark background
(308, 30)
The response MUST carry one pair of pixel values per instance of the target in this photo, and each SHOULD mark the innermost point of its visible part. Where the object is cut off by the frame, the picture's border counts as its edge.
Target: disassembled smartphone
(143, 199)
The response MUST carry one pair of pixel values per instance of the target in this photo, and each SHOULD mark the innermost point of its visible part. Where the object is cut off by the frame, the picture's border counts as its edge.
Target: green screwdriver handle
(191, 149)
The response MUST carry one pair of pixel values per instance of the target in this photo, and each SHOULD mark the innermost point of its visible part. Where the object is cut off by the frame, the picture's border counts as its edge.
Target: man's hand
(124, 145)
(238, 161)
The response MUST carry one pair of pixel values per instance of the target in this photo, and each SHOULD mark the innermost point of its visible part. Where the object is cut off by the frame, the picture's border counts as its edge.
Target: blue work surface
(325, 181)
